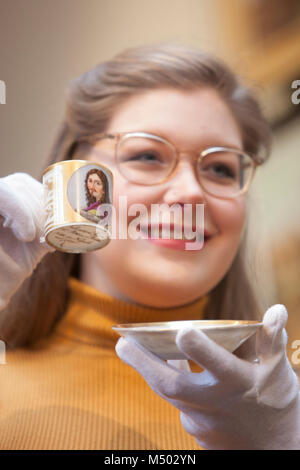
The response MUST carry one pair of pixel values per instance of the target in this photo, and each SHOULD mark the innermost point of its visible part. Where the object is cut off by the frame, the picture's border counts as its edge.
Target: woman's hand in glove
(21, 225)
(233, 404)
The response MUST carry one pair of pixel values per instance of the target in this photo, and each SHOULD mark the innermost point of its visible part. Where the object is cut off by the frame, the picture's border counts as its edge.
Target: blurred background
(44, 44)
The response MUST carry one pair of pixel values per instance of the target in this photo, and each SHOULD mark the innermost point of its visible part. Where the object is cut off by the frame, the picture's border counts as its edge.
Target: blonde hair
(92, 100)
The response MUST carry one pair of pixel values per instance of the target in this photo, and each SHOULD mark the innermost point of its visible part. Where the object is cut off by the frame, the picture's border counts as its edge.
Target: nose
(184, 187)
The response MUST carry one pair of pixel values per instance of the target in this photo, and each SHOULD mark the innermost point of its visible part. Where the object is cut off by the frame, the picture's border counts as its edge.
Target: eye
(220, 168)
(145, 157)
(223, 170)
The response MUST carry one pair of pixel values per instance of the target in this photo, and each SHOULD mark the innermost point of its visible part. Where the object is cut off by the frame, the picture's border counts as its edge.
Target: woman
(65, 380)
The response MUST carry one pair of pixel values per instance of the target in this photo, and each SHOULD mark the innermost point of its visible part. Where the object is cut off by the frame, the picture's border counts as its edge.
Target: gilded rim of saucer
(176, 325)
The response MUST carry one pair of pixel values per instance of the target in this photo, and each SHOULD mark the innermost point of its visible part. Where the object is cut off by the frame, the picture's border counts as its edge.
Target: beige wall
(274, 210)
(277, 185)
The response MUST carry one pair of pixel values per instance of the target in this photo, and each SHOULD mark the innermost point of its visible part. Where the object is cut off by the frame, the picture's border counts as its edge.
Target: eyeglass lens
(150, 161)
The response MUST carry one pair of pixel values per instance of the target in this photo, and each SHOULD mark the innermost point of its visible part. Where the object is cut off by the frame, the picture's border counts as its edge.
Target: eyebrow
(208, 141)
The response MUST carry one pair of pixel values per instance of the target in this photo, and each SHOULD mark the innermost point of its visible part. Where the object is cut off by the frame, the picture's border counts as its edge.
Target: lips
(182, 245)
(176, 232)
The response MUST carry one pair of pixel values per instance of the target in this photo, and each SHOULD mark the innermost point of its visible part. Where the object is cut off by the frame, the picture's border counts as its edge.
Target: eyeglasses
(148, 159)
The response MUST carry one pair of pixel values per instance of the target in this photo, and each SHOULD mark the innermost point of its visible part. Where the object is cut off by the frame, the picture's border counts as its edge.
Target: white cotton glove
(233, 404)
(21, 225)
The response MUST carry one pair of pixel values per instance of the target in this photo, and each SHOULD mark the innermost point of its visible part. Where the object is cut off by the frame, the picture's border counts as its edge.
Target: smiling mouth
(171, 233)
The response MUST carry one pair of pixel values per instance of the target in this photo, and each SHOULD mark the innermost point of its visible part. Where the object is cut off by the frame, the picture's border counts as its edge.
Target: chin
(156, 290)
(167, 298)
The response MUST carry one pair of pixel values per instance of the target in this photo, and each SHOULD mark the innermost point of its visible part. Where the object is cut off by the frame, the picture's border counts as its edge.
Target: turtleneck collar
(91, 314)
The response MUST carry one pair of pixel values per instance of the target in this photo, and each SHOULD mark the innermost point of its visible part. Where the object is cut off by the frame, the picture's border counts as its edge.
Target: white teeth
(168, 235)
(174, 235)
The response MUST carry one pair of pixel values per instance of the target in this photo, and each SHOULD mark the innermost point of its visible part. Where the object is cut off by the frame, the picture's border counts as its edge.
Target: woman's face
(151, 273)
(95, 186)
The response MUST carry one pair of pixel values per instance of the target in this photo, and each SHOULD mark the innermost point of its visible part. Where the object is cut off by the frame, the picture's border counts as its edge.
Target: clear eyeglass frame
(118, 138)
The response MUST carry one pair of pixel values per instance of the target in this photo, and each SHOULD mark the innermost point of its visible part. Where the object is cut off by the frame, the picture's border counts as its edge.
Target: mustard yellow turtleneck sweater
(71, 391)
